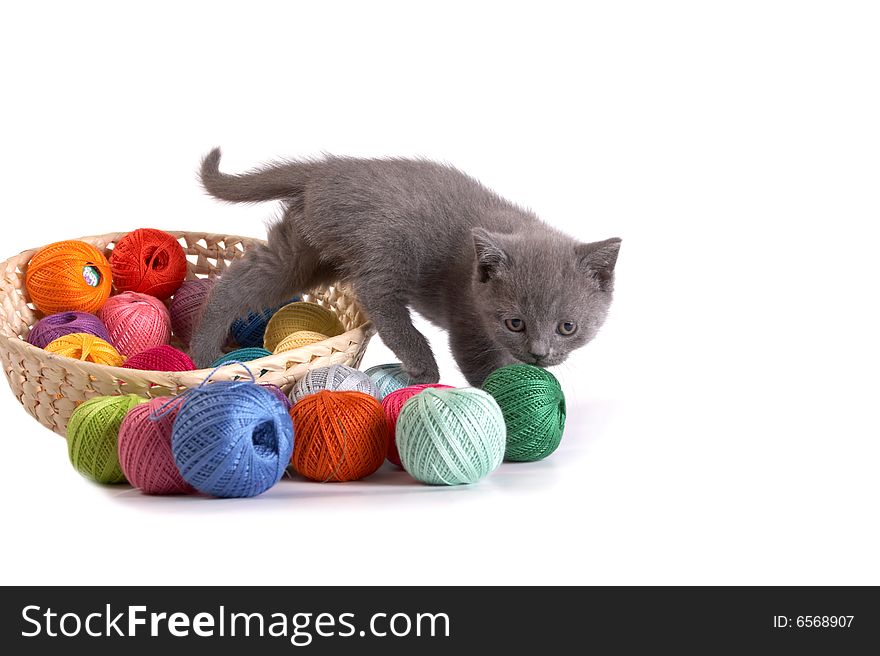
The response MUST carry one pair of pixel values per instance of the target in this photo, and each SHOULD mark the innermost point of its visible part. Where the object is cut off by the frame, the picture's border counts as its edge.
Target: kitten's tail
(274, 182)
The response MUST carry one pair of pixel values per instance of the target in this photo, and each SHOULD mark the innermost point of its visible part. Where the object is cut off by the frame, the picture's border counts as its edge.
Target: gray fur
(412, 233)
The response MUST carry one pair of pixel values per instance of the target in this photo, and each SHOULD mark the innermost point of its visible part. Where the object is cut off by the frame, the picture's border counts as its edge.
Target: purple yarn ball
(60, 324)
(186, 308)
(279, 394)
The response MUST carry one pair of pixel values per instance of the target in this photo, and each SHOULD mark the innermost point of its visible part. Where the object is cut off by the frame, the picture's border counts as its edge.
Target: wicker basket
(50, 386)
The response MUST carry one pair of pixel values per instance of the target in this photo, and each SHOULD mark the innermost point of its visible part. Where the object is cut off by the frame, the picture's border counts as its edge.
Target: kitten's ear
(598, 259)
(490, 254)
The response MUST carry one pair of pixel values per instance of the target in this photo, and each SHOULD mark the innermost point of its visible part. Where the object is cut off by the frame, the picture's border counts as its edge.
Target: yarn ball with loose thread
(249, 331)
(279, 394)
(392, 405)
(144, 448)
(298, 339)
(533, 406)
(92, 435)
(389, 377)
(68, 276)
(136, 322)
(340, 436)
(232, 439)
(335, 378)
(241, 355)
(450, 436)
(64, 323)
(148, 261)
(187, 306)
(298, 316)
(160, 358)
(86, 347)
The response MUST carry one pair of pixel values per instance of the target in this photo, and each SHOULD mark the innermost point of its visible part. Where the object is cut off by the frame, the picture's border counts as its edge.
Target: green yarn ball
(534, 410)
(92, 436)
(450, 436)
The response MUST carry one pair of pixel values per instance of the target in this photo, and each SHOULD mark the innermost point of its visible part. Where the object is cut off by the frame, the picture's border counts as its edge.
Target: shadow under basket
(50, 386)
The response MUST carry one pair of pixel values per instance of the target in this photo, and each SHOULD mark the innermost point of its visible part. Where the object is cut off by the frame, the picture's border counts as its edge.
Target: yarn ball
(136, 322)
(392, 405)
(232, 439)
(148, 261)
(92, 434)
(64, 323)
(241, 355)
(248, 331)
(86, 347)
(300, 316)
(144, 448)
(68, 275)
(336, 378)
(279, 394)
(160, 358)
(298, 339)
(340, 436)
(450, 436)
(389, 377)
(534, 410)
(186, 308)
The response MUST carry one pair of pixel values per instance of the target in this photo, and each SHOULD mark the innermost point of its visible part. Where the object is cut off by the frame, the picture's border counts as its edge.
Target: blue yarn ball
(241, 355)
(248, 331)
(389, 377)
(232, 439)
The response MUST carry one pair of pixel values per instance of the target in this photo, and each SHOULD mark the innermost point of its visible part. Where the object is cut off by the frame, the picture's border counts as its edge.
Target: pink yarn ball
(145, 449)
(135, 322)
(160, 358)
(186, 308)
(392, 405)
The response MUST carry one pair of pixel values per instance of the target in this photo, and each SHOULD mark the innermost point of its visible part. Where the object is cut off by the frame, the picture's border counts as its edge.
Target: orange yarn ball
(85, 347)
(148, 261)
(339, 436)
(68, 276)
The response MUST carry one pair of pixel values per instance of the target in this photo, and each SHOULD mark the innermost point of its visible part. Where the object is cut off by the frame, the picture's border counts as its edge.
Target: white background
(723, 426)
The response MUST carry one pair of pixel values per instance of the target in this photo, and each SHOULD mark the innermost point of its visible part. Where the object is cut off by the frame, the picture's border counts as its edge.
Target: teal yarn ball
(534, 410)
(450, 436)
(241, 355)
(389, 378)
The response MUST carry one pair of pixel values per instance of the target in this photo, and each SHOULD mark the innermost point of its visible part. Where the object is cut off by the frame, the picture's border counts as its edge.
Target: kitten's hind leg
(265, 276)
(388, 311)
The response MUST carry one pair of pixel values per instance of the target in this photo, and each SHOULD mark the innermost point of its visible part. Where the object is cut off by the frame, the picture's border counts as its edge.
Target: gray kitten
(412, 233)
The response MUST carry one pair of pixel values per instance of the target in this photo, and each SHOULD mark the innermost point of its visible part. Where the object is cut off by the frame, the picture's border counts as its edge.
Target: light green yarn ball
(450, 436)
(389, 377)
(92, 434)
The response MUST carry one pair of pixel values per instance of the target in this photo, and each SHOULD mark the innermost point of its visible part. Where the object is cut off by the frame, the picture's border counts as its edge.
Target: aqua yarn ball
(389, 378)
(241, 355)
(335, 378)
(248, 331)
(450, 436)
(533, 406)
(232, 439)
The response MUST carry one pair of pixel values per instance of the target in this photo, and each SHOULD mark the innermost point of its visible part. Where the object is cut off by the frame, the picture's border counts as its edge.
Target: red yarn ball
(148, 261)
(144, 447)
(392, 405)
(160, 358)
(135, 322)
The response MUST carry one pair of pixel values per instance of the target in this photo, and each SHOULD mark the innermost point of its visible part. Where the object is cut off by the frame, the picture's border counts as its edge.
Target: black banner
(421, 620)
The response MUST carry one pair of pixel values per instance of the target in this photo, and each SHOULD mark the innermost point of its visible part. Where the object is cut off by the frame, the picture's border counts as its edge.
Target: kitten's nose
(539, 351)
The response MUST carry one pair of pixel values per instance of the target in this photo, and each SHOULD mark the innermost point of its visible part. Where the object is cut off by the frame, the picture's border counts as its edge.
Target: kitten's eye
(515, 325)
(567, 328)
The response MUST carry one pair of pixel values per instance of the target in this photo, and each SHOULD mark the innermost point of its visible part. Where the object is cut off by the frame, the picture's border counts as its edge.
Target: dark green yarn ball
(533, 406)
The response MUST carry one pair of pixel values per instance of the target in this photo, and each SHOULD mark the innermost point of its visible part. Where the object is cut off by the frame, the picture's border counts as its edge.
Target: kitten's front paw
(424, 374)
